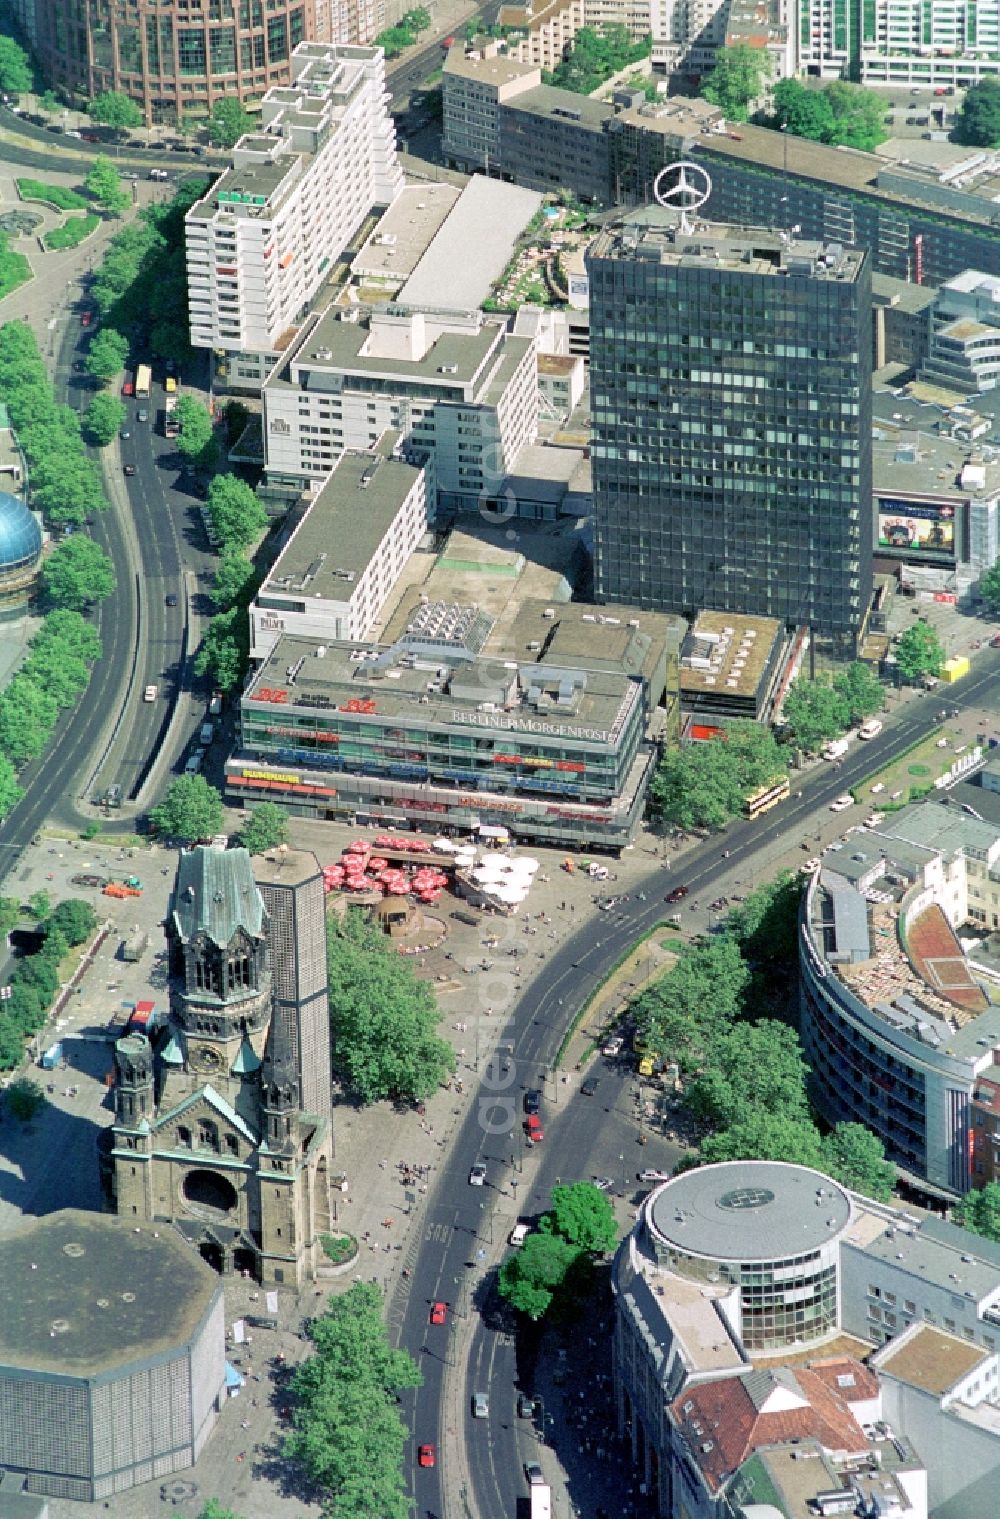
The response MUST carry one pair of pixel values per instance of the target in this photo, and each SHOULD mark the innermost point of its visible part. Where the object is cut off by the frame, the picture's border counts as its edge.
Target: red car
(425, 1455)
(439, 1313)
(533, 1129)
(128, 389)
(86, 317)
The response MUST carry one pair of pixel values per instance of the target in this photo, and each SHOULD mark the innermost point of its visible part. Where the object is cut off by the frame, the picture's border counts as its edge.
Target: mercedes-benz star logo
(682, 187)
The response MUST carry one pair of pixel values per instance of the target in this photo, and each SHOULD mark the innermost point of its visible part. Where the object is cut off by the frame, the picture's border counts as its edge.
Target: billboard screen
(912, 527)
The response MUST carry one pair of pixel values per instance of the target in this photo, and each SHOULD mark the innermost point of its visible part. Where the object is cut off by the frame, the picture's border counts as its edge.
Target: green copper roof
(171, 1052)
(215, 894)
(247, 1061)
(221, 1106)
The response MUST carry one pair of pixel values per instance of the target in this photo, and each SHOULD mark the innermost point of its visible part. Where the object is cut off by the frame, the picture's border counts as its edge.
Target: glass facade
(732, 424)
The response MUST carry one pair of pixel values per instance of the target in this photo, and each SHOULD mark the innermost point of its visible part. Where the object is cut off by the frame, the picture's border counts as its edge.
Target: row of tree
(347, 1434)
(51, 680)
(395, 39)
(35, 978)
(553, 1272)
(842, 114)
(746, 1078)
(817, 710)
(238, 519)
(598, 52)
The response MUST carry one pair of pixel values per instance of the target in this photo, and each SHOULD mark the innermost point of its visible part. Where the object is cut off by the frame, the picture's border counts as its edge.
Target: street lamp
(621, 1160)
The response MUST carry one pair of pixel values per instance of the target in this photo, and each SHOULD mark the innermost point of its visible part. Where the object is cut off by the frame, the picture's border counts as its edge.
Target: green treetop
(977, 123)
(737, 79)
(979, 1211)
(919, 652)
(583, 1215)
(190, 810)
(77, 574)
(15, 68)
(105, 185)
(103, 418)
(229, 122)
(112, 109)
(989, 590)
(107, 355)
(267, 827)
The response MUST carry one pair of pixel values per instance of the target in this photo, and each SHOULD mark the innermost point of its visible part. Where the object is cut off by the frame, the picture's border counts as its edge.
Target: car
(604, 1183)
(158, 174)
(72, 132)
(941, 91)
(589, 1087)
(171, 599)
(95, 882)
(91, 137)
(878, 786)
(534, 1473)
(533, 1129)
(142, 415)
(477, 1176)
(995, 641)
(124, 434)
(811, 865)
(525, 1406)
(136, 142)
(651, 1174)
(532, 1101)
(874, 819)
(480, 1405)
(86, 318)
(841, 803)
(439, 1313)
(519, 1234)
(53, 126)
(871, 729)
(79, 366)
(128, 388)
(678, 894)
(613, 1047)
(150, 693)
(129, 469)
(426, 1455)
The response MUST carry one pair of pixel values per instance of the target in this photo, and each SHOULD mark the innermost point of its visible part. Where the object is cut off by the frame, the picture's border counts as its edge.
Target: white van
(871, 729)
(836, 749)
(519, 1233)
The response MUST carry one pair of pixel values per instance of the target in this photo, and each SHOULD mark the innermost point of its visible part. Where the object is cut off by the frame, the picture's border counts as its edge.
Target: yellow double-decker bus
(766, 797)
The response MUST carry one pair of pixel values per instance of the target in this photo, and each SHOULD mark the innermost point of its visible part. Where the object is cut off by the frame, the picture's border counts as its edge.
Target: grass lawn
(14, 268)
(913, 773)
(52, 195)
(73, 230)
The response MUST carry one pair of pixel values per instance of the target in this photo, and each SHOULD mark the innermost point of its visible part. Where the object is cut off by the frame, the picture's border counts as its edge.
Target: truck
(541, 1500)
(171, 426)
(134, 945)
(52, 1058)
(143, 380)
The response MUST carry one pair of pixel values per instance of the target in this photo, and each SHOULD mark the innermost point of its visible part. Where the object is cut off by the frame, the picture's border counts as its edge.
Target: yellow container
(954, 669)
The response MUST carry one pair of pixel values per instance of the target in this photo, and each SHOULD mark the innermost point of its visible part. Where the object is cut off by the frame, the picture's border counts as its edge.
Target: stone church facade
(209, 1131)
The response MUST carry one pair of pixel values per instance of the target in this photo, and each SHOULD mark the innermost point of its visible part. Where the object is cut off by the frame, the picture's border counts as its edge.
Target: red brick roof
(724, 1422)
(863, 1386)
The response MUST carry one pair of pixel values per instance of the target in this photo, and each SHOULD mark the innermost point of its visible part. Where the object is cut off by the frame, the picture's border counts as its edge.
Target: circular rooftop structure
(20, 535)
(748, 1210)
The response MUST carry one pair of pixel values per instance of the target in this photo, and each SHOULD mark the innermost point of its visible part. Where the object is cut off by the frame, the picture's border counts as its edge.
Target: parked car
(871, 729)
(613, 1047)
(533, 1129)
(95, 882)
(650, 1174)
(519, 1233)
(532, 1101)
(589, 1087)
(604, 1183)
(525, 1406)
(841, 803)
(534, 1473)
(995, 641)
(86, 318)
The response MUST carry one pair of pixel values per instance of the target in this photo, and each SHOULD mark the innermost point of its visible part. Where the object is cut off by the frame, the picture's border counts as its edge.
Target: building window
(184, 1136)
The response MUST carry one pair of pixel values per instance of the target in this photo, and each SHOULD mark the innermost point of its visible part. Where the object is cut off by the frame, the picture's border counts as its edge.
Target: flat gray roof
(473, 247)
(85, 1293)
(655, 232)
(285, 866)
(340, 533)
(562, 105)
(924, 1254)
(405, 232)
(920, 463)
(749, 1210)
(337, 343)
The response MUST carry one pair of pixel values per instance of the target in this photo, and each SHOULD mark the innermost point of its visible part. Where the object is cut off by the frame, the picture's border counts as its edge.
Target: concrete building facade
(541, 31)
(731, 398)
(472, 89)
(964, 349)
(261, 241)
(112, 1355)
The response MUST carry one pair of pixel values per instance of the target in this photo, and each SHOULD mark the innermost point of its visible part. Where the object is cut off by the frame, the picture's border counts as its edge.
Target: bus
(171, 426)
(766, 797)
(143, 380)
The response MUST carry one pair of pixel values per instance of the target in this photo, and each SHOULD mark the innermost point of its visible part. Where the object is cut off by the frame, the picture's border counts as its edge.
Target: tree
(108, 352)
(10, 916)
(67, 488)
(383, 1019)
(583, 1216)
(225, 649)
(40, 904)
(213, 1509)
(815, 712)
(348, 1435)
(190, 810)
(196, 440)
(15, 68)
(803, 112)
(737, 79)
(67, 632)
(979, 1211)
(112, 109)
(27, 717)
(858, 116)
(861, 689)
(765, 925)
(268, 826)
(530, 1278)
(856, 1158)
(762, 1135)
(24, 1098)
(598, 52)
(228, 122)
(10, 794)
(77, 574)
(683, 1013)
(74, 919)
(704, 785)
(977, 123)
(751, 1067)
(104, 416)
(105, 185)
(989, 590)
(919, 652)
(232, 579)
(236, 514)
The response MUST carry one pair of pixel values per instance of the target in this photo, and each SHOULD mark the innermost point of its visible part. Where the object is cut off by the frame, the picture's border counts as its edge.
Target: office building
(964, 350)
(557, 142)
(456, 386)
(347, 551)
(731, 398)
(112, 1355)
(746, 1297)
(897, 1022)
(261, 241)
(472, 89)
(290, 883)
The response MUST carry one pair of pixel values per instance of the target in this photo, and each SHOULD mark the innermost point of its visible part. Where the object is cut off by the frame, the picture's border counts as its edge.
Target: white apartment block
(333, 577)
(687, 33)
(541, 31)
(633, 15)
(920, 43)
(456, 385)
(261, 241)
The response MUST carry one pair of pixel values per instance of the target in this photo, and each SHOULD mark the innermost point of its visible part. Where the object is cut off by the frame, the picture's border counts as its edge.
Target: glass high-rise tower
(731, 400)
